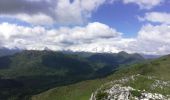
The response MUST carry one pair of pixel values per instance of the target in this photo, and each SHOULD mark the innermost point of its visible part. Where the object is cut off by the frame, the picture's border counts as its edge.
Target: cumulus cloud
(37, 19)
(158, 17)
(158, 33)
(145, 4)
(151, 39)
(51, 11)
(94, 37)
(154, 39)
(13, 35)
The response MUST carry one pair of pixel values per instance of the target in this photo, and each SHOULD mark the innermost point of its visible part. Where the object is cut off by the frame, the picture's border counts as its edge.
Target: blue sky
(124, 17)
(141, 26)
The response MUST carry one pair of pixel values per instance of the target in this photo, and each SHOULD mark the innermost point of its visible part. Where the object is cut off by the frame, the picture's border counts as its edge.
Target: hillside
(32, 72)
(151, 76)
(36, 63)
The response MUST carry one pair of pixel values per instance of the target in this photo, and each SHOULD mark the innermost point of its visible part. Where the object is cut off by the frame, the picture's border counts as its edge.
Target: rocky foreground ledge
(119, 91)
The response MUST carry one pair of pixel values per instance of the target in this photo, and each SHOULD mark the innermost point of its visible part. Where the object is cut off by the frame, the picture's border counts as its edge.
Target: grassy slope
(159, 68)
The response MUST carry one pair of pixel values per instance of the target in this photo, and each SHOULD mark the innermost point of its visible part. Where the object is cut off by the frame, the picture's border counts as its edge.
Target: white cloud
(76, 12)
(13, 35)
(94, 37)
(150, 40)
(158, 33)
(11, 30)
(50, 11)
(154, 39)
(38, 19)
(145, 4)
(159, 17)
(93, 30)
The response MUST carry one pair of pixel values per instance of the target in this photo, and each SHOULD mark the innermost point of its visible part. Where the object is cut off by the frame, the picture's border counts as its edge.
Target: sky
(134, 26)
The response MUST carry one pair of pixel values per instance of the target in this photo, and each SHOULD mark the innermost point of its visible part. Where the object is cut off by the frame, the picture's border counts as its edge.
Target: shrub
(101, 95)
(135, 93)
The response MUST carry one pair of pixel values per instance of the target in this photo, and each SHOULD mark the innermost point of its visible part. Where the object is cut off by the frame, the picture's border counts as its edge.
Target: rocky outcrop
(118, 90)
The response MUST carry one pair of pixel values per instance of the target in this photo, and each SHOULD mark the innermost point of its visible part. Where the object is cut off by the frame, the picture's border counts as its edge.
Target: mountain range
(28, 73)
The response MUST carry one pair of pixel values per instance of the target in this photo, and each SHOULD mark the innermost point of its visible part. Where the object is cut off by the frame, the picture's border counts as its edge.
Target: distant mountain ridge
(151, 56)
(6, 51)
